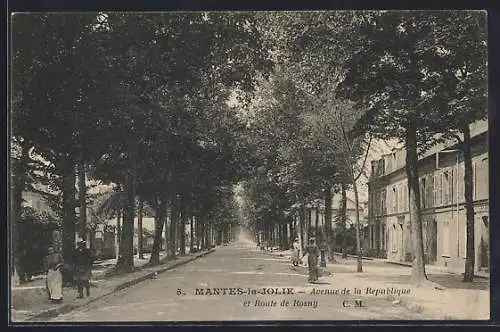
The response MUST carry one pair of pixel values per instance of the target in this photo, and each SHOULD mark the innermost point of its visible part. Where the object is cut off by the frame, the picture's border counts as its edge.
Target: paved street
(237, 265)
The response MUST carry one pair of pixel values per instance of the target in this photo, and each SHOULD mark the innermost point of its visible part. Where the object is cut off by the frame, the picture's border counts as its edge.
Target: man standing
(82, 260)
(312, 252)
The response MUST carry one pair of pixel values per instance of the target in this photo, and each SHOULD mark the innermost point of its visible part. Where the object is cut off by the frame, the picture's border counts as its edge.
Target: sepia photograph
(248, 166)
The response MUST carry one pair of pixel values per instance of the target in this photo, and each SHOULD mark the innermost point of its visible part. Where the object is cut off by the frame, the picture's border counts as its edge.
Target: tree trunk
(191, 234)
(118, 237)
(301, 222)
(82, 197)
(202, 233)
(182, 227)
(330, 239)
(309, 223)
(418, 268)
(284, 235)
(197, 231)
(166, 234)
(469, 206)
(20, 172)
(68, 209)
(358, 225)
(160, 208)
(174, 222)
(92, 240)
(139, 230)
(207, 235)
(126, 262)
(316, 224)
(343, 219)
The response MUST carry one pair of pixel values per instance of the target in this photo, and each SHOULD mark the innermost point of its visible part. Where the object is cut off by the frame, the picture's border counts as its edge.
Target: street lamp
(456, 189)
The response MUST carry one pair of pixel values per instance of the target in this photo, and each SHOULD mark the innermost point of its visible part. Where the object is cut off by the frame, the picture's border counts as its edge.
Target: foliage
(37, 231)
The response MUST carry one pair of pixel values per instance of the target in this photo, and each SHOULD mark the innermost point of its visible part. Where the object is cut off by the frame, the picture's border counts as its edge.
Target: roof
(477, 128)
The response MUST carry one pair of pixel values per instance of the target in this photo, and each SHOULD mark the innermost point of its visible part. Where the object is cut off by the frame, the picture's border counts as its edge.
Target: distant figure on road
(312, 252)
(296, 252)
(82, 260)
(54, 282)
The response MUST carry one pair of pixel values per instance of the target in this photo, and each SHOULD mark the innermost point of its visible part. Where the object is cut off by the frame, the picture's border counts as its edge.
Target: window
(382, 202)
(462, 237)
(439, 199)
(386, 238)
(372, 236)
(445, 187)
(382, 233)
(397, 199)
(453, 186)
(423, 192)
(407, 198)
(485, 221)
(394, 239)
(394, 199)
(425, 232)
(434, 190)
(461, 184)
(401, 200)
(446, 238)
(474, 181)
(482, 186)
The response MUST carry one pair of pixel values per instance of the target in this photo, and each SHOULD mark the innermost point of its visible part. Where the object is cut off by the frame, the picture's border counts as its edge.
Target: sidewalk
(99, 270)
(30, 303)
(449, 299)
(428, 268)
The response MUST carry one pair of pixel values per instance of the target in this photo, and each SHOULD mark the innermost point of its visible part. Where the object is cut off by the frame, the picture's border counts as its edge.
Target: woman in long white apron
(296, 252)
(54, 280)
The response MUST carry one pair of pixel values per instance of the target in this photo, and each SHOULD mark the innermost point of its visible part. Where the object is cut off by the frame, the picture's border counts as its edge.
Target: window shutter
(434, 190)
(474, 180)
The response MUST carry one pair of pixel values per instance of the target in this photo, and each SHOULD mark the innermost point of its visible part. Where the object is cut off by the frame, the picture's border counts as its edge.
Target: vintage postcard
(249, 166)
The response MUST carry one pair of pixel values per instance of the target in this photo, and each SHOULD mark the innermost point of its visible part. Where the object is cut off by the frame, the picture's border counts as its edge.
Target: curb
(151, 274)
(409, 265)
(354, 256)
(54, 312)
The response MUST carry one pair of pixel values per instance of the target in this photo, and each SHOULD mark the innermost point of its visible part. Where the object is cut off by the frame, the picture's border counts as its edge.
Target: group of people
(312, 251)
(81, 269)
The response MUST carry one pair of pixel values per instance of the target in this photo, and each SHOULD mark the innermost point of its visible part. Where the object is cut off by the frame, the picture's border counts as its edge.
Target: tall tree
(41, 68)
(459, 41)
(140, 236)
(334, 121)
(394, 76)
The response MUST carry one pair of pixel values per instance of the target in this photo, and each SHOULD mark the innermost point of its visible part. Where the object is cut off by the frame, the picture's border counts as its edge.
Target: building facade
(441, 178)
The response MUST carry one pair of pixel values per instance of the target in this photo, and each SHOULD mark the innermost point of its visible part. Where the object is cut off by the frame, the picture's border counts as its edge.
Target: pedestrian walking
(312, 252)
(53, 282)
(296, 252)
(82, 260)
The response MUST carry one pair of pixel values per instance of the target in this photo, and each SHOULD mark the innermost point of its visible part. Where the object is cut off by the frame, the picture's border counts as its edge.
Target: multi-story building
(441, 177)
